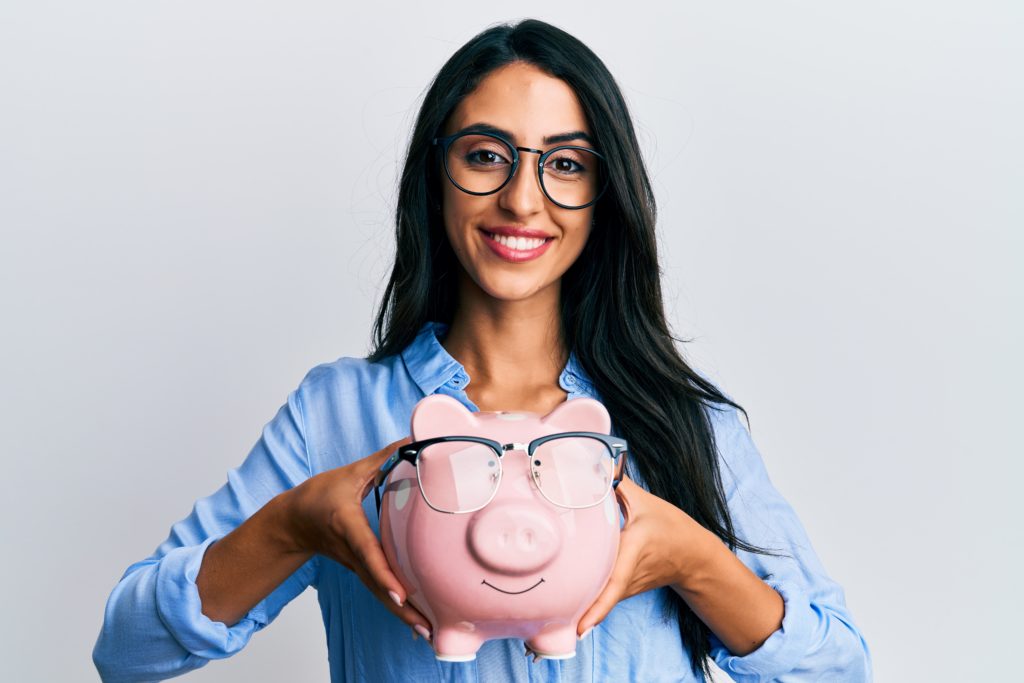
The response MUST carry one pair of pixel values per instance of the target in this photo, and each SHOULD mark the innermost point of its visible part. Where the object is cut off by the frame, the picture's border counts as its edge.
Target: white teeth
(518, 243)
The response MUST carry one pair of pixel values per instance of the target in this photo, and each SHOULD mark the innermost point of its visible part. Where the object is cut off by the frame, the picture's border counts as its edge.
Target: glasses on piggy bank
(460, 474)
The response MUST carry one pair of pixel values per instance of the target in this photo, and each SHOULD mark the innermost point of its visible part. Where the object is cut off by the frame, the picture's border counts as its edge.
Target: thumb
(624, 493)
(613, 592)
(373, 464)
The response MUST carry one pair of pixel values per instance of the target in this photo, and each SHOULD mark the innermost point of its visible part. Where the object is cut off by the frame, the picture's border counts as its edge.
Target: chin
(512, 289)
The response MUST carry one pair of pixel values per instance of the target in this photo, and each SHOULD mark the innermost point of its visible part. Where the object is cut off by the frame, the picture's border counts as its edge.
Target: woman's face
(498, 237)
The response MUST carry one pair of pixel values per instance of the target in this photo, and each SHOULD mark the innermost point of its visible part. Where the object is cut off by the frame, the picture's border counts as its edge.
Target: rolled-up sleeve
(818, 639)
(153, 626)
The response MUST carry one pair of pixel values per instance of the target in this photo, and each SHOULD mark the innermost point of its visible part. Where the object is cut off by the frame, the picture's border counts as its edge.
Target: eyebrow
(548, 140)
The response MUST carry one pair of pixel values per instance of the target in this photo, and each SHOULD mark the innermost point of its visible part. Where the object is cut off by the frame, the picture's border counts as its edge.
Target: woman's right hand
(325, 516)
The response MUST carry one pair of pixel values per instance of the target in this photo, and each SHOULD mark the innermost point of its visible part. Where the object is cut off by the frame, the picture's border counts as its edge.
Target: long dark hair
(612, 311)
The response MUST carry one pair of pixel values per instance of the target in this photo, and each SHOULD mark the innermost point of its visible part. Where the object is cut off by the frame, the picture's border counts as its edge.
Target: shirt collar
(428, 363)
(431, 367)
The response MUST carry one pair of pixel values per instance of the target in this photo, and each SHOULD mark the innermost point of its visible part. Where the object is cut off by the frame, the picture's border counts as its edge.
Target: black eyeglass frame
(410, 453)
(445, 142)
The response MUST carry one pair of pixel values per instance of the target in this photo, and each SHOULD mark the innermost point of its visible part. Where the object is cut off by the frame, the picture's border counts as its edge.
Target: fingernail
(585, 633)
(423, 631)
(394, 597)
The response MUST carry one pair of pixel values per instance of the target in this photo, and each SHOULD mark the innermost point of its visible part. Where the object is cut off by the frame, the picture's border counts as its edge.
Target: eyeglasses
(459, 474)
(571, 176)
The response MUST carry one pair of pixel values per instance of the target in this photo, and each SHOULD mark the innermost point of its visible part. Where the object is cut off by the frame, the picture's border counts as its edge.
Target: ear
(441, 415)
(580, 415)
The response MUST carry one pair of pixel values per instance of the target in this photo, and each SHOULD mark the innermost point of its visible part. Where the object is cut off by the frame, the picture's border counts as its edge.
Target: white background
(196, 202)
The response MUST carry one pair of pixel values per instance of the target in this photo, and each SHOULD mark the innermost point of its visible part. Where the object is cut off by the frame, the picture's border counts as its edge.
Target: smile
(512, 592)
(517, 249)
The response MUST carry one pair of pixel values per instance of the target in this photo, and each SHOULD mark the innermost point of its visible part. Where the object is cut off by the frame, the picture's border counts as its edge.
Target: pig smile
(512, 592)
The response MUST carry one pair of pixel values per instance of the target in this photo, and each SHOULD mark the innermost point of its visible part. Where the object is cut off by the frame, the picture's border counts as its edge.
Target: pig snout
(513, 538)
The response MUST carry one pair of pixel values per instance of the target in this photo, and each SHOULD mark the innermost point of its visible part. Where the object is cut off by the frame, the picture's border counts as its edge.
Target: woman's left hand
(652, 550)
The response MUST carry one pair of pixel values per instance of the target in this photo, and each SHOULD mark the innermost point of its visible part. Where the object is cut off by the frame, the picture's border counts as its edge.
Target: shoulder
(348, 377)
(351, 407)
(724, 419)
(740, 463)
(349, 369)
(736, 451)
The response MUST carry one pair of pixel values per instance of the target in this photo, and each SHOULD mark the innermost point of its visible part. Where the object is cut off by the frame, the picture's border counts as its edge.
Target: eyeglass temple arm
(622, 469)
(403, 453)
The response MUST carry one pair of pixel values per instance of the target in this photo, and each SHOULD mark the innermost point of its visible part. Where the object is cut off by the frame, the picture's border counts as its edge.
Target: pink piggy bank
(503, 525)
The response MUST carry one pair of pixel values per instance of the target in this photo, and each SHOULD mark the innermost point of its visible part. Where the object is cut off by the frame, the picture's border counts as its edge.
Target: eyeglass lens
(482, 163)
(458, 476)
(573, 471)
(461, 476)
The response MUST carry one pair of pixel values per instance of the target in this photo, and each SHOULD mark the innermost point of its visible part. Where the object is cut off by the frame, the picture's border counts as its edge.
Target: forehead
(523, 100)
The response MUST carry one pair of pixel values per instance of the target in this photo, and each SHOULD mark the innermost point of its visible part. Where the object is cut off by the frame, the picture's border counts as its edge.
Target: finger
(372, 465)
(379, 576)
(625, 492)
(369, 553)
(613, 593)
(396, 603)
(354, 545)
(383, 454)
(406, 612)
(625, 485)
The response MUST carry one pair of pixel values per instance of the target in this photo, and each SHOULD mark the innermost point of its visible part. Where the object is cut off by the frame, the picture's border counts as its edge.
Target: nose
(522, 196)
(513, 538)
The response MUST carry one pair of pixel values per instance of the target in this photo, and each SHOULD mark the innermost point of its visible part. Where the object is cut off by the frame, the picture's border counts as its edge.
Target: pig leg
(452, 644)
(558, 643)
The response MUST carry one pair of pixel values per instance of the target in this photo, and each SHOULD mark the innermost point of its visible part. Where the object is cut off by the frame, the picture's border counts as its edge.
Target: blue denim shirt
(154, 627)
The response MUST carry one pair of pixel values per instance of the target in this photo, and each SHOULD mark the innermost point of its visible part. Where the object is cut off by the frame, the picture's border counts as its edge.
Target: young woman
(526, 274)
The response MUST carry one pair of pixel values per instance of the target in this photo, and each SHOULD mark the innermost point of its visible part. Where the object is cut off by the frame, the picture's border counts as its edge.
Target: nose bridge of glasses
(534, 179)
(531, 150)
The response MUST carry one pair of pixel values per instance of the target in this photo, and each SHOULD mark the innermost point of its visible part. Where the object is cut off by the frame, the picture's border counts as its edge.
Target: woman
(516, 285)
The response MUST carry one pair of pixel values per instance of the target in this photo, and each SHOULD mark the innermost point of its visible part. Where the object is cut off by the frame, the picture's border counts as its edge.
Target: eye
(567, 163)
(485, 157)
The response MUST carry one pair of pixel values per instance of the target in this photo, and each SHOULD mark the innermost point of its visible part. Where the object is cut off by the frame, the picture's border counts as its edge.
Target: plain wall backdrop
(196, 205)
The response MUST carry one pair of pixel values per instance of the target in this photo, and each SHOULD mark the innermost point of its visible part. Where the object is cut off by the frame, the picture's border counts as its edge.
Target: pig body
(520, 567)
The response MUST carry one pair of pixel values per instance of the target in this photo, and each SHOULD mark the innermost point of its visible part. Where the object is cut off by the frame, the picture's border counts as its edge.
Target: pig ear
(441, 415)
(580, 415)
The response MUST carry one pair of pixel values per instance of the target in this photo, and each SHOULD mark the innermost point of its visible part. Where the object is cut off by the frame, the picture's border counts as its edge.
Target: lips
(517, 245)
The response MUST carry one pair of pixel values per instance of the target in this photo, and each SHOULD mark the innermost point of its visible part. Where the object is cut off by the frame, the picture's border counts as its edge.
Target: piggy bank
(503, 525)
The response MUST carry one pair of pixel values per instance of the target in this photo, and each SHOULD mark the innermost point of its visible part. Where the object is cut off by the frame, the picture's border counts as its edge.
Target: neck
(509, 348)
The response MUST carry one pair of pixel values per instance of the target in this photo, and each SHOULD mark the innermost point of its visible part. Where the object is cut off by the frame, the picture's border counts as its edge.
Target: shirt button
(569, 380)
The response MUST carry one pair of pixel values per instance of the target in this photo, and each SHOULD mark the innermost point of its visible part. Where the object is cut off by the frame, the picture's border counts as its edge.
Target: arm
(154, 626)
(322, 515)
(229, 568)
(818, 638)
(773, 617)
(739, 608)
